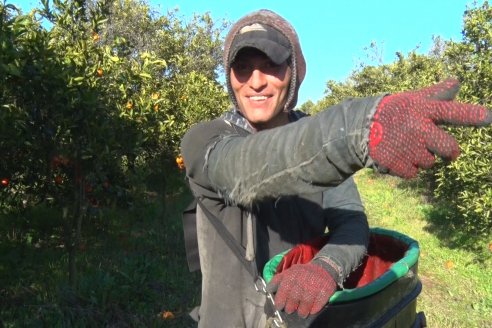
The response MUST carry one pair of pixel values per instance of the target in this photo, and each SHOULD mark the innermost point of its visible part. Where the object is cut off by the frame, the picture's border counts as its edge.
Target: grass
(457, 281)
(132, 270)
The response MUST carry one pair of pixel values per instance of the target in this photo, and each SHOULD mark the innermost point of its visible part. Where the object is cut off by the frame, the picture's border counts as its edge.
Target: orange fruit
(449, 264)
(180, 162)
(58, 180)
(95, 37)
(166, 315)
(59, 160)
(129, 105)
(100, 72)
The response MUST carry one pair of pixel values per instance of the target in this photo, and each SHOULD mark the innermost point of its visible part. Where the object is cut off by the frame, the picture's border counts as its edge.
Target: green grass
(455, 267)
(132, 265)
(131, 269)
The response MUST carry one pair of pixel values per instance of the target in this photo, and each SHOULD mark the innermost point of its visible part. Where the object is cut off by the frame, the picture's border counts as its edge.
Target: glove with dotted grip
(305, 288)
(404, 135)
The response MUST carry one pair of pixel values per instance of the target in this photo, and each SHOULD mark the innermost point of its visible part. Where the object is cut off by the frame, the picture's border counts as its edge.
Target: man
(275, 178)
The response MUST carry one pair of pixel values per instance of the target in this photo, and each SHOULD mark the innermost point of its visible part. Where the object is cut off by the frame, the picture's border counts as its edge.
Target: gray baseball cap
(264, 38)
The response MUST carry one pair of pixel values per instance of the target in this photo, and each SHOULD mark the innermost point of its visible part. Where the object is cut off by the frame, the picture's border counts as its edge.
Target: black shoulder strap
(190, 236)
(229, 239)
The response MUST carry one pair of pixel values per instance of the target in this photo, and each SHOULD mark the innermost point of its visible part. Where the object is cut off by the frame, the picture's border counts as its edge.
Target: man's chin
(259, 119)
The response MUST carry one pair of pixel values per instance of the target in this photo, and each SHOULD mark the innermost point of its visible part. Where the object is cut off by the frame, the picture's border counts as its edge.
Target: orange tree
(91, 110)
(466, 184)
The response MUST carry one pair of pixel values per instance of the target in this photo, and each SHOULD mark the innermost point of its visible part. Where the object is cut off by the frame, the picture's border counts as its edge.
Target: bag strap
(190, 236)
(229, 239)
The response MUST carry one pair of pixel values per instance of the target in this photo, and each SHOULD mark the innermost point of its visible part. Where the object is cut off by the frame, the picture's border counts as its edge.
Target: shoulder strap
(190, 236)
(230, 241)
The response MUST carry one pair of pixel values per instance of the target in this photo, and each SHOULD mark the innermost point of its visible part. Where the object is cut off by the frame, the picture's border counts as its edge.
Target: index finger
(455, 113)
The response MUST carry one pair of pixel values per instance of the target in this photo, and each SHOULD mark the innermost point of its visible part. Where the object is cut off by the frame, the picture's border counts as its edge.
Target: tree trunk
(73, 231)
(69, 246)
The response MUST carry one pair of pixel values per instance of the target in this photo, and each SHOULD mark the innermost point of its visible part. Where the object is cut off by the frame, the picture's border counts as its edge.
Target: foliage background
(95, 96)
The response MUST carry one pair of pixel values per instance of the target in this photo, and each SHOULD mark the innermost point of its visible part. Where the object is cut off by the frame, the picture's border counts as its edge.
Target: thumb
(445, 90)
(273, 285)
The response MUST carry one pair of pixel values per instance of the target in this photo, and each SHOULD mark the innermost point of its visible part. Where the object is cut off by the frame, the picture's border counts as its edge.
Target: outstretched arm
(399, 133)
(302, 157)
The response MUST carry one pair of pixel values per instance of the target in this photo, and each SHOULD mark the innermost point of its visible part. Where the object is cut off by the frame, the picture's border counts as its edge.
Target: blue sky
(334, 34)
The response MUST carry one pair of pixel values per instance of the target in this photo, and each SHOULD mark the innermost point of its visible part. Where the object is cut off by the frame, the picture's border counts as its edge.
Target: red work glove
(404, 135)
(304, 288)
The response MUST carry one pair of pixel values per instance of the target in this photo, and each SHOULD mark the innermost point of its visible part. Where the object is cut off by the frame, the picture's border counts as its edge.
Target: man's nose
(257, 79)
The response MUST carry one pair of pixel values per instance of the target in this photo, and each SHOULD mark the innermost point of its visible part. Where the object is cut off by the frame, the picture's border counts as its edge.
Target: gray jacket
(272, 190)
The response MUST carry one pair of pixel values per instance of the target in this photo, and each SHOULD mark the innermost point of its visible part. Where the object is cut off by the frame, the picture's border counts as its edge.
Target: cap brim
(264, 38)
(275, 51)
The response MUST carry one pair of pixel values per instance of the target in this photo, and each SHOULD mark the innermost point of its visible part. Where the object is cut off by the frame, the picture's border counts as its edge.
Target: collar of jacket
(234, 117)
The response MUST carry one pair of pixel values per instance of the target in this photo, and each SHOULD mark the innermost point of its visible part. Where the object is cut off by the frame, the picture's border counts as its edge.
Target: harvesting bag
(382, 292)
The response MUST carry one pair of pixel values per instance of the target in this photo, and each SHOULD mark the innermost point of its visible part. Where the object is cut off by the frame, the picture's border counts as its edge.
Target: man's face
(261, 88)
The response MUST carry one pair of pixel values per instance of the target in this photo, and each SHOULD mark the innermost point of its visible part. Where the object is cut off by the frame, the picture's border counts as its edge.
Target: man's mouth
(257, 98)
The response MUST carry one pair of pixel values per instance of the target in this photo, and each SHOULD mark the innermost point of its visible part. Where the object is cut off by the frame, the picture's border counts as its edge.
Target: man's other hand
(305, 288)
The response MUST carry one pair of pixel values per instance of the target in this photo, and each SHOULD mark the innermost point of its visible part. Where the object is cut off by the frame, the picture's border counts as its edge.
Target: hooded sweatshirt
(274, 189)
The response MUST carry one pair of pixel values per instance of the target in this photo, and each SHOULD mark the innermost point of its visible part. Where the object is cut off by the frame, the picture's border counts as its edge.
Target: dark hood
(298, 64)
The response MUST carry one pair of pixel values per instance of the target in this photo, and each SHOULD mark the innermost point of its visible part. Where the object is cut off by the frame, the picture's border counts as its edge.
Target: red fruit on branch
(60, 161)
(58, 180)
(5, 182)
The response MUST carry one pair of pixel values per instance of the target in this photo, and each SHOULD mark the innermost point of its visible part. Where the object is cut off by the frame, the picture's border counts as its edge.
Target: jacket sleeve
(302, 157)
(348, 229)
